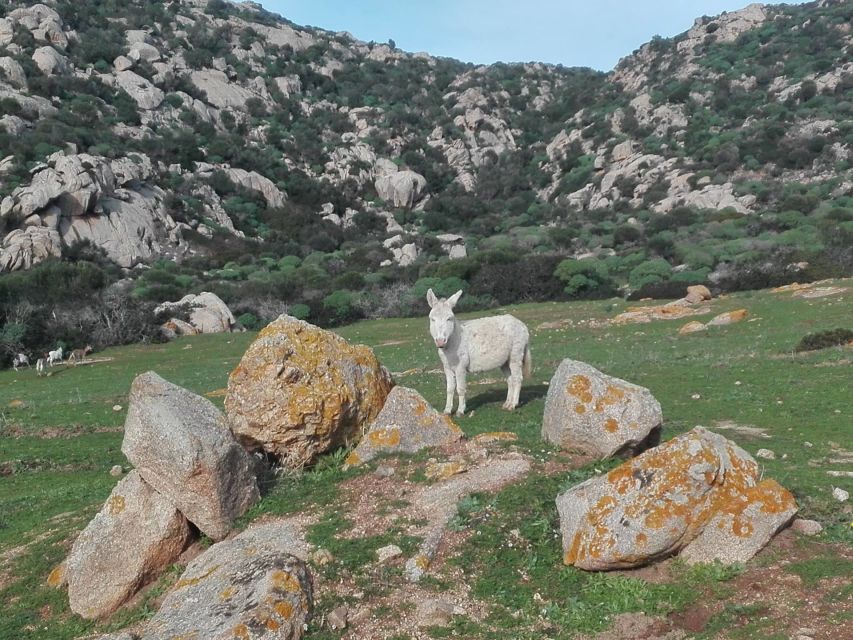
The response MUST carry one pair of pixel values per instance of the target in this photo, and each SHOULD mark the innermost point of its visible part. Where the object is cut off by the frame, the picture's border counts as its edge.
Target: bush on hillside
(824, 339)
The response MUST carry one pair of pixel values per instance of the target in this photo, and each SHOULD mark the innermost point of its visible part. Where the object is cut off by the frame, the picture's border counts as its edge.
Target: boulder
(50, 61)
(208, 313)
(589, 411)
(23, 248)
(401, 188)
(692, 327)
(697, 293)
(729, 317)
(221, 92)
(662, 501)
(145, 94)
(136, 534)
(742, 525)
(299, 391)
(14, 72)
(181, 445)
(241, 588)
(122, 63)
(406, 424)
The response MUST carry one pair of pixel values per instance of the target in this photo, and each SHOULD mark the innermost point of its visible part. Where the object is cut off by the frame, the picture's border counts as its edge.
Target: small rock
(696, 396)
(808, 444)
(767, 454)
(337, 618)
(383, 471)
(359, 616)
(436, 613)
(117, 407)
(58, 578)
(730, 317)
(806, 527)
(388, 552)
(840, 494)
(116, 471)
(322, 557)
(692, 327)
(442, 470)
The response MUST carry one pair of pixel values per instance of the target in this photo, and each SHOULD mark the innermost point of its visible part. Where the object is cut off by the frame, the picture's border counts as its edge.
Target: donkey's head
(442, 322)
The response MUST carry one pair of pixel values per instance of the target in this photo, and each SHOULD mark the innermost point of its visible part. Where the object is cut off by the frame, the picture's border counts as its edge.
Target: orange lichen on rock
(495, 436)
(116, 504)
(579, 387)
(58, 576)
(388, 437)
(241, 632)
(286, 582)
(611, 425)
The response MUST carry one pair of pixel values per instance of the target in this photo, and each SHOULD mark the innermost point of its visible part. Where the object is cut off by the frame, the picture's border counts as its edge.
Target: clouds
(569, 32)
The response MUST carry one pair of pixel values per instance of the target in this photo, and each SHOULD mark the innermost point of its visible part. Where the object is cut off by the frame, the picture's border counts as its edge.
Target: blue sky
(593, 33)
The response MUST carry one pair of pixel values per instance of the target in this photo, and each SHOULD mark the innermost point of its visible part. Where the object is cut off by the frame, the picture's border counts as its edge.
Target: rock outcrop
(699, 491)
(207, 313)
(181, 445)
(591, 412)
(299, 391)
(406, 424)
(401, 188)
(136, 535)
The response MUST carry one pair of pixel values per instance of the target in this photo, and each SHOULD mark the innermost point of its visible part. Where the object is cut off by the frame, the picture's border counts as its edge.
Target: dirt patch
(743, 429)
(638, 626)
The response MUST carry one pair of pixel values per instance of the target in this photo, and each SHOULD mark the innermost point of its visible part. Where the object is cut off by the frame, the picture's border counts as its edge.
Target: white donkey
(20, 360)
(478, 345)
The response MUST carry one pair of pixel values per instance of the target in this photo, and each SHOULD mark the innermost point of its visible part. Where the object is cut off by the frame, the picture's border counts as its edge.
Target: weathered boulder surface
(691, 327)
(23, 248)
(406, 424)
(401, 188)
(136, 534)
(241, 589)
(729, 317)
(588, 411)
(299, 391)
(697, 490)
(208, 313)
(697, 293)
(180, 444)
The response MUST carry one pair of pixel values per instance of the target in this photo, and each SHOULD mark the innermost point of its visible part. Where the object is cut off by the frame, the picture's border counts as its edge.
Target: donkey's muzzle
(440, 343)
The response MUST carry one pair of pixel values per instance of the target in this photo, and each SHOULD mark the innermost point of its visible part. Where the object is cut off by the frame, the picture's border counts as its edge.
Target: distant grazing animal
(40, 366)
(79, 355)
(478, 345)
(20, 360)
(54, 356)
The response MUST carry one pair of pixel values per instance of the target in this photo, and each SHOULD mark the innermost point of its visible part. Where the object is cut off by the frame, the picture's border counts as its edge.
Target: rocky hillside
(202, 144)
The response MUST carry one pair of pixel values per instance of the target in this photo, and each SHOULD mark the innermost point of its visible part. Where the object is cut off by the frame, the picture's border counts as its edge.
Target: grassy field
(60, 435)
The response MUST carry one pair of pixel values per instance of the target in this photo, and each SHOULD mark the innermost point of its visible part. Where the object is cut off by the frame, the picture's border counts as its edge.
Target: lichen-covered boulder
(137, 534)
(299, 391)
(596, 414)
(181, 445)
(691, 327)
(697, 293)
(729, 317)
(244, 588)
(406, 424)
(669, 498)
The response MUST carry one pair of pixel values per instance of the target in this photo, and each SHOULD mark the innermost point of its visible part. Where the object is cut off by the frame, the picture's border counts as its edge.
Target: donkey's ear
(452, 300)
(431, 299)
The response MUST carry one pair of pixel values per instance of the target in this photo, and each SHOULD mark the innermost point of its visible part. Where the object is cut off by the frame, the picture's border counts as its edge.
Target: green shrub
(584, 277)
(824, 339)
(649, 272)
(250, 321)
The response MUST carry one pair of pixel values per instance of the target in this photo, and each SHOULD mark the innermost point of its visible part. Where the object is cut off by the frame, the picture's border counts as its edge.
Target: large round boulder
(599, 415)
(300, 391)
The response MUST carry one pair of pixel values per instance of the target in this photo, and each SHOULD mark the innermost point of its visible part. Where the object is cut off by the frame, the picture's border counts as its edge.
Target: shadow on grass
(498, 396)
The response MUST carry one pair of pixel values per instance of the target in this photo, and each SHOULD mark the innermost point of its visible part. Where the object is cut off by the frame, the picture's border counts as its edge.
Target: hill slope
(224, 139)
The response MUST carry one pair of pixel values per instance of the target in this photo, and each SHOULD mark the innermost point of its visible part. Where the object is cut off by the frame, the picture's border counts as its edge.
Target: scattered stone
(669, 311)
(300, 391)
(383, 471)
(406, 424)
(238, 589)
(808, 444)
(137, 534)
(729, 317)
(58, 578)
(697, 293)
(388, 552)
(806, 527)
(322, 557)
(840, 494)
(662, 501)
(766, 454)
(495, 436)
(337, 618)
(181, 445)
(116, 471)
(443, 470)
(692, 327)
(436, 613)
(117, 407)
(591, 412)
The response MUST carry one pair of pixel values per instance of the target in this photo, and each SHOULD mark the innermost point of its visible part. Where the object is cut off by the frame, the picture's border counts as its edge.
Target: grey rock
(433, 612)
(806, 527)
(181, 445)
(765, 454)
(136, 534)
(50, 62)
(208, 314)
(402, 188)
(143, 51)
(337, 618)
(406, 424)
(116, 471)
(122, 63)
(589, 411)
(23, 248)
(145, 94)
(13, 72)
(238, 589)
(388, 552)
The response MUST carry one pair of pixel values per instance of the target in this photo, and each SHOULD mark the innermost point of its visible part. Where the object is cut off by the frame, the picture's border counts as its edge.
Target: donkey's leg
(515, 376)
(507, 373)
(460, 391)
(451, 387)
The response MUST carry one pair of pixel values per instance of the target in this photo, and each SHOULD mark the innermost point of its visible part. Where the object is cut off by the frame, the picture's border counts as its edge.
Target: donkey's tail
(527, 363)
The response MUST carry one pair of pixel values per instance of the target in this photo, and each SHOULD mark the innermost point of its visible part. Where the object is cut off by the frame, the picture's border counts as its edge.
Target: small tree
(649, 272)
(584, 277)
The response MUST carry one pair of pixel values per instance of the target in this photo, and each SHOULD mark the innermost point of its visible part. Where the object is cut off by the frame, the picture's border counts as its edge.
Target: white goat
(54, 356)
(478, 345)
(20, 360)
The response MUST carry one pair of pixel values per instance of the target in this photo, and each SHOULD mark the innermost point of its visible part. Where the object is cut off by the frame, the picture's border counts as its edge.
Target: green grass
(59, 436)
